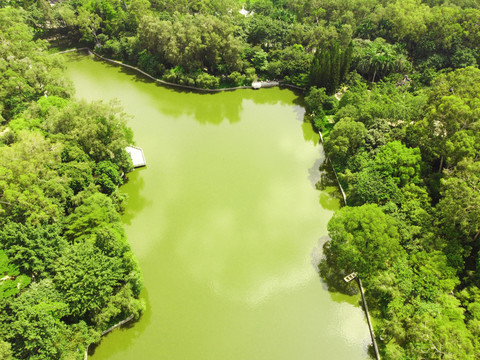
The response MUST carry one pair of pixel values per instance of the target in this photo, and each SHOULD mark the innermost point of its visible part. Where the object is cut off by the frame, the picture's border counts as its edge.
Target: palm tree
(378, 58)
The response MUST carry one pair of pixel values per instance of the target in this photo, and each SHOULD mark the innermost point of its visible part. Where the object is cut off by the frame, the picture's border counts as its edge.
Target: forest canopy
(393, 86)
(300, 42)
(66, 270)
(408, 161)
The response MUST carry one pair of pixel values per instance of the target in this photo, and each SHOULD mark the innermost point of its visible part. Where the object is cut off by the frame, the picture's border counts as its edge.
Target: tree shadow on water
(134, 327)
(331, 277)
(314, 175)
(205, 107)
(136, 201)
(327, 178)
(309, 134)
(329, 185)
(330, 197)
(215, 108)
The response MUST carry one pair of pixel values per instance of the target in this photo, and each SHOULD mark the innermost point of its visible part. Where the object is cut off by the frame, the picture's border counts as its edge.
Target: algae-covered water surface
(227, 226)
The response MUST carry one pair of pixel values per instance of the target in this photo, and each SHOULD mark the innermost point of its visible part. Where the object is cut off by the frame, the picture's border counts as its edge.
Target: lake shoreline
(218, 238)
(263, 84)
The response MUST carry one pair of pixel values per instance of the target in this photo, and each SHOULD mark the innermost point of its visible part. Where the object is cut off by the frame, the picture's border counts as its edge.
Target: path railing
(370, 327)
(344, 196)
(349, 278)
(85, 357)
(265, 84)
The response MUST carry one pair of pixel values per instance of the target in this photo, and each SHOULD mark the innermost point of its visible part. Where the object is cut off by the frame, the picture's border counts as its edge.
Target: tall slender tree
(330, 66)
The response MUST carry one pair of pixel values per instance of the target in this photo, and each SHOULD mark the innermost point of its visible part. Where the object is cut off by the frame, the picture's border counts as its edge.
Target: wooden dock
(350, 277)
(136, 153)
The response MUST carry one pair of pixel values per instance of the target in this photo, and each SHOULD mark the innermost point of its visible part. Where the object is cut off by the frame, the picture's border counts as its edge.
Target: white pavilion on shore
(136, 153)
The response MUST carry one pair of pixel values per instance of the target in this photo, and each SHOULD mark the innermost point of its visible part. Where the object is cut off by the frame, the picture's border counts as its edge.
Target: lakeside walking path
(255, 85)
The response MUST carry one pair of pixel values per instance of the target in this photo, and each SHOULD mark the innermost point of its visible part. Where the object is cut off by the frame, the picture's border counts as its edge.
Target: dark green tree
(33, 249)
(363, 239)
(87, 278)
(330, 66)
(345, 139)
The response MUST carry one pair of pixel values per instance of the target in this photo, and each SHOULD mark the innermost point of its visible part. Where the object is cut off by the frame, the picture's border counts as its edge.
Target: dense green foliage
(329, 67)
(408, 160)
(403, 136)
(66, 270)
(300, 41)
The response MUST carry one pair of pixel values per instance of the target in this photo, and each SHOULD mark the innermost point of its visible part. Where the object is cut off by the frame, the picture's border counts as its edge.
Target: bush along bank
(409, 165)
(67, 272)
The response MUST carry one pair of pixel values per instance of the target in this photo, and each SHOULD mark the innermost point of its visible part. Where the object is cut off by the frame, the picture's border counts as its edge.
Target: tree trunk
(440, 168)
(476, 235)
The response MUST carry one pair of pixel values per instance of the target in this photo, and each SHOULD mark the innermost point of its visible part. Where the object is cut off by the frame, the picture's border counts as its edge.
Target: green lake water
(227, 226)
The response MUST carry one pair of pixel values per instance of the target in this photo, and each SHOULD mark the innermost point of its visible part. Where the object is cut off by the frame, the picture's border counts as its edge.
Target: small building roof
(136, 153)
(245, 12)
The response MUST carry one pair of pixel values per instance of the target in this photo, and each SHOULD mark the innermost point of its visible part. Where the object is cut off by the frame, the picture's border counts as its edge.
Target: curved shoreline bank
(265, 84)
(166, 83)
(111, 346)
(344, 196)
(120, 323)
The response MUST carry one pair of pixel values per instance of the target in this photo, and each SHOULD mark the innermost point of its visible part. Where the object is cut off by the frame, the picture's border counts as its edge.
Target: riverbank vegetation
(402, 132)
(409, 164)
(213, 43)
(66, 270)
